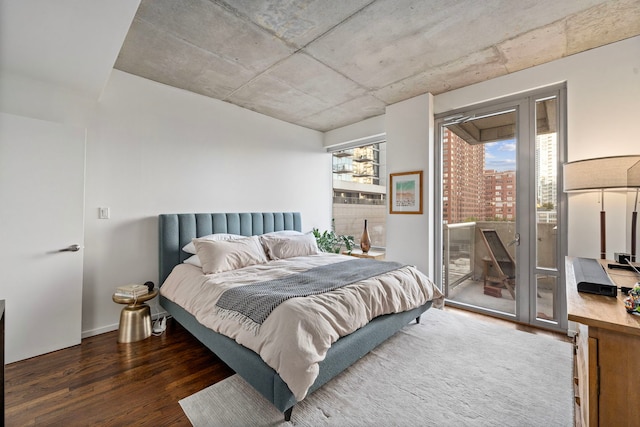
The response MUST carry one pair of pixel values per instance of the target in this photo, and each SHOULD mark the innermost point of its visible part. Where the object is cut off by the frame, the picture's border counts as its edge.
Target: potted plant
(329, 241)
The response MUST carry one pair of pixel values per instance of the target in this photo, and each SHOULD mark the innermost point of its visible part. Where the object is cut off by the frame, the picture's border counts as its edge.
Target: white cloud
(508, 146)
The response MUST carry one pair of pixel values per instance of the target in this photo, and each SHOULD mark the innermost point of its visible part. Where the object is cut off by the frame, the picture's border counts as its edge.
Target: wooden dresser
(2, 420)
(607, 354)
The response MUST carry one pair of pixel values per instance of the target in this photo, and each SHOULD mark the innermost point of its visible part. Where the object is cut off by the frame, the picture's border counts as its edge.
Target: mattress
(297, 334)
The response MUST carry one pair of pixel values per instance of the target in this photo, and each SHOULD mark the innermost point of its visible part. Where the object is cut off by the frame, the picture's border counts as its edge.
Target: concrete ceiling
(324, 64)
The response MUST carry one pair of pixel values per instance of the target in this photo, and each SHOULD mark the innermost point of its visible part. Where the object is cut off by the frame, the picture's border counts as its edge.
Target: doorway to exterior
(500, 208)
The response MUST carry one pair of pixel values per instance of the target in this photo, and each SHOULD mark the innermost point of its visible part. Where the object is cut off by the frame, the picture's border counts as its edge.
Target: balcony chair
(502, 264)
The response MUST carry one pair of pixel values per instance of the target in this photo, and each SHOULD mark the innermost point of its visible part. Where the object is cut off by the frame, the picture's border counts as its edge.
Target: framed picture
(406, 193)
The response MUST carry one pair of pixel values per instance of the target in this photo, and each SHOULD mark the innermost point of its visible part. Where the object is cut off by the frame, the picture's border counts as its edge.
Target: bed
(177, 230)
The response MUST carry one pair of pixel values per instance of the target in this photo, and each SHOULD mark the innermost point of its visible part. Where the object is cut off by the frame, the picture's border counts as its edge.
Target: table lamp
(604, 173)
(633, 181)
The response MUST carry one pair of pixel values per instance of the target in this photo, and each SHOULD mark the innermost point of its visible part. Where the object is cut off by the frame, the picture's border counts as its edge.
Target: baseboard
(98, 331)
(114, 327)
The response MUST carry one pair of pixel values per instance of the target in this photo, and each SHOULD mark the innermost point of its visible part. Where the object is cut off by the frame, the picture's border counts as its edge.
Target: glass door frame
(526, 213)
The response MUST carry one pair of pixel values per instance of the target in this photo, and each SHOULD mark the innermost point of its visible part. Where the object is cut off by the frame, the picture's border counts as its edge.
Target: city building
(546, 170)
(463, 184)
(500, 195)
(360, 192)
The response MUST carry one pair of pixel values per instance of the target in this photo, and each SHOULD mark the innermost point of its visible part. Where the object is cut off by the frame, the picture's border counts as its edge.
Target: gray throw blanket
(252, 304)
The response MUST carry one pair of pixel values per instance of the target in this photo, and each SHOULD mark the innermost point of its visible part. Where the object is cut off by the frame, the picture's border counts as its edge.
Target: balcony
(342, 154)
(343, 169)
(358, 201)
(363, 159)
(467, 265)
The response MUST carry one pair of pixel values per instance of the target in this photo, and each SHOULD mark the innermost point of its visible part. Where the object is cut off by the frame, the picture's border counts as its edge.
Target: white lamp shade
(633, 176)
(602, 173)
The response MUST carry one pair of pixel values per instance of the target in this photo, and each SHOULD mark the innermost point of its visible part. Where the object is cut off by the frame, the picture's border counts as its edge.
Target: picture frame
(405, 193)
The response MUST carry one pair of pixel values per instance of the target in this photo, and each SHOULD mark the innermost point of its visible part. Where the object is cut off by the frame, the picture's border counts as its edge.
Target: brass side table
(135, 318)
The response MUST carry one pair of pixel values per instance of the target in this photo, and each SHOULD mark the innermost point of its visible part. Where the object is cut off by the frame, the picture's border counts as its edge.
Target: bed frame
(176, 230)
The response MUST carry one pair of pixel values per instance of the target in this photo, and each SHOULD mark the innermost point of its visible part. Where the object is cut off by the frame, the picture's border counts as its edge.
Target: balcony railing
(465, 253)
(459, 244)
(343, 169)
(358, 201)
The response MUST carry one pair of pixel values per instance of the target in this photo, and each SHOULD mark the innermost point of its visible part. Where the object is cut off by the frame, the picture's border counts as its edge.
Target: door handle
(72, 248)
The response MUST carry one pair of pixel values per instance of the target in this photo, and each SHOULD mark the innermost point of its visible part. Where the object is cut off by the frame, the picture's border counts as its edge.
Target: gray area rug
(448, 370)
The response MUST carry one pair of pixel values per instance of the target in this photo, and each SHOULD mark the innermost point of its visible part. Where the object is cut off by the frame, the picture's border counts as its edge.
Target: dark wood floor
(101, 382)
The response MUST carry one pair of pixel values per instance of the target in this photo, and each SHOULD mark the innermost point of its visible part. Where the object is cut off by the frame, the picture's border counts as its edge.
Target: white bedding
(292, 340)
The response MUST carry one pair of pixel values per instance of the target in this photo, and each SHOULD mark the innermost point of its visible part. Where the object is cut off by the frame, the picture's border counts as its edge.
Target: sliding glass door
(499, 208)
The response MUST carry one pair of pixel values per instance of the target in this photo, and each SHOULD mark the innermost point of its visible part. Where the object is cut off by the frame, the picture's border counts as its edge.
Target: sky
(501, 155)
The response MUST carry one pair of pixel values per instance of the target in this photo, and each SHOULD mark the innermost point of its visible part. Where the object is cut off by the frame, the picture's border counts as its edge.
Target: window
(360, 192)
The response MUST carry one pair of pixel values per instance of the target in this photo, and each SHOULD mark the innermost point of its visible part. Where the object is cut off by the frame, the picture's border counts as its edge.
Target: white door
(41, 212)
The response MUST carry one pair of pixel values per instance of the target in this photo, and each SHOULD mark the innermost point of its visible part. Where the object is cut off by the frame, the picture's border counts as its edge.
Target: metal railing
(358, 201)
(459, 254)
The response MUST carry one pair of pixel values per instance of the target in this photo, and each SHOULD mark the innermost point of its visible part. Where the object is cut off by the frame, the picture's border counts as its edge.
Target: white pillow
(193, 260)
(224, 255)
(191, 249)
(289, 246)
(284, 233)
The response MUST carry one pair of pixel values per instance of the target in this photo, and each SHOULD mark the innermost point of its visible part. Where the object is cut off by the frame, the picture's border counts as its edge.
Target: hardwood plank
(102, 382)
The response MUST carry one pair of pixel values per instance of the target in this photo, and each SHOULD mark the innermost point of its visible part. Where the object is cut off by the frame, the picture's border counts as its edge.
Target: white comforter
(297, 334)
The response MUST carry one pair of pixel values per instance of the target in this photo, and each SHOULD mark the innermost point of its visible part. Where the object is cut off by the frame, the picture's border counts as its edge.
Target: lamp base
(603, 235)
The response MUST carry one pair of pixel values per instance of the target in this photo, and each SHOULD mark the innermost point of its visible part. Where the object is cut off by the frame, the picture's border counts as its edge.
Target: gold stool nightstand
(135, 318)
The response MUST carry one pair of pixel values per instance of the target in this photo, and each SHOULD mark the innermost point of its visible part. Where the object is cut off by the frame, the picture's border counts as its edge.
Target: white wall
(26, 97)
(355, 132)
(155, 149)
(603, 106)
(409, 126)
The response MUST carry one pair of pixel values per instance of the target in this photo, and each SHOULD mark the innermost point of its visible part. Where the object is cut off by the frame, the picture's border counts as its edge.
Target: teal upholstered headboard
(176, 230)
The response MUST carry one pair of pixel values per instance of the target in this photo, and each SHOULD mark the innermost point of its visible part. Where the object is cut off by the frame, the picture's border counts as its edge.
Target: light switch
(103, 213)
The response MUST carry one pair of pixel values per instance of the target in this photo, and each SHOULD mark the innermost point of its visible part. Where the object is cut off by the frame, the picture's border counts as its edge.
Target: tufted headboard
(176, 230)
